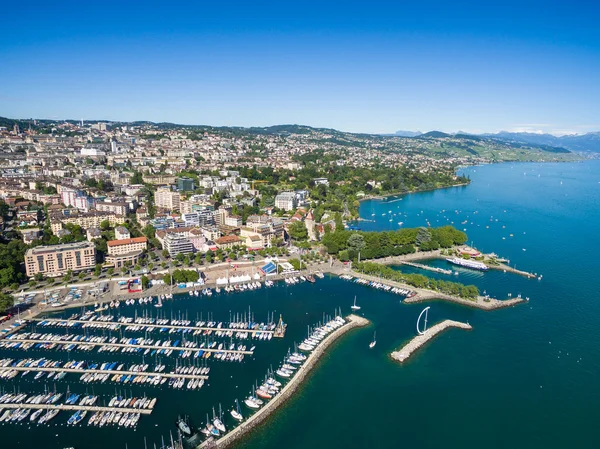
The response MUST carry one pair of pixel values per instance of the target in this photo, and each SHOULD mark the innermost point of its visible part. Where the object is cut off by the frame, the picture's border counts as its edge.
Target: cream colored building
(56, 260)
(164, 197)
(126, 246)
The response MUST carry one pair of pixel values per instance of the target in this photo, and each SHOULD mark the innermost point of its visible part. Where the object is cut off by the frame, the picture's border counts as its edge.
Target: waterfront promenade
(288, 390)
(413, 345)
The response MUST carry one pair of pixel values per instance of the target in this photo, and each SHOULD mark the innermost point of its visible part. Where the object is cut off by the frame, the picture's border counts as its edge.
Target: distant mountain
(586, 142)
(435, 135)
(407, 133)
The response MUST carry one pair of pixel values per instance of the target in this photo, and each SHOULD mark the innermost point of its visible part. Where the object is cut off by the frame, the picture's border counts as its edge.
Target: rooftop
(127, 241)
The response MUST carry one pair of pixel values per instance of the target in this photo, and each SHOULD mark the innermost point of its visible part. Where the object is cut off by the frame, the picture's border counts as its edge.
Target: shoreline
(419, 341)
(389, 195)
(258, 418)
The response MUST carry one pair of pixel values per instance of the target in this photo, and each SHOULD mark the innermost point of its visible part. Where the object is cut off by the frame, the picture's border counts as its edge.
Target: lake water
(525, 376)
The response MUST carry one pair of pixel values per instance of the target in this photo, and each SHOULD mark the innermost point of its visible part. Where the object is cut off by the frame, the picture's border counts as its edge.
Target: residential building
(233, 220)
(286, 201)
(228, 241)
(164, 197)
(177, 243)
(122, 233)
(127, 246)
(56, 260)
(119, 208)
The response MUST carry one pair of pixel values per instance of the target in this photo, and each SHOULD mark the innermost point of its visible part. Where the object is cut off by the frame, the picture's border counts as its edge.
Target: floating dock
(87, 408)
(59, 343)
(58, 321)
(426, 267)
(100, 371)
(413, 345)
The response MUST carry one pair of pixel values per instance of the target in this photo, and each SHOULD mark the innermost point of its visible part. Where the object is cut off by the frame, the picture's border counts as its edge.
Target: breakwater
(481, 302)
(408, 349)
(288, 390)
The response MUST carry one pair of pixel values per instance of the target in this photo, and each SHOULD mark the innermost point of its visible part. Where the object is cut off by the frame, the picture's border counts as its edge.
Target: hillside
(461, 148)
(589, 142)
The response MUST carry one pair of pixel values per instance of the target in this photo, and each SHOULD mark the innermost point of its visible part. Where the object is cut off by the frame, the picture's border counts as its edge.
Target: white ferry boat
(467, 263)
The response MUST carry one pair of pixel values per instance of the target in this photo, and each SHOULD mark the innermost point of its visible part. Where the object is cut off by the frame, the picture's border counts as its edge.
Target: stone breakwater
(479, 303)
(407, 350)
(288, 390)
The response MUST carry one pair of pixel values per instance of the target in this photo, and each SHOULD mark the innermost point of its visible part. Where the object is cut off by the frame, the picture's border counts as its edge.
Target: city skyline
(519, 68)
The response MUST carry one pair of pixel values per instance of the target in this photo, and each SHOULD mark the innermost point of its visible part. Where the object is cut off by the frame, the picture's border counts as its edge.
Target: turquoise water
(525, 376)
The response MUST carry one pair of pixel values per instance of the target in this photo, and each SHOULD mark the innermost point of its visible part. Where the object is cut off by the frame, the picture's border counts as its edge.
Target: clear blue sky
(357, 66)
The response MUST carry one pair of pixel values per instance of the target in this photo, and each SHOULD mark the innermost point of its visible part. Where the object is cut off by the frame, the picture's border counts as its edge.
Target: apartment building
(286, 201)
(56, 260)
(118, 208)
(164, 197)
(177, 243)
(122, 233)
(125, 252)
(127, 246)
(85, 220)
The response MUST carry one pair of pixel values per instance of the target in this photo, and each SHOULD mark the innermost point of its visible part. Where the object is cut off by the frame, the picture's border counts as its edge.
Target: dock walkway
(87, 408)
(129, 345)
(408, 349)
(101, 371)
(152, 326)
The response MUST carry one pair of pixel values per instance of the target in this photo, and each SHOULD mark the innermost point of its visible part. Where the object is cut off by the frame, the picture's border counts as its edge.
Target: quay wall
(413, 345)
(287, 391)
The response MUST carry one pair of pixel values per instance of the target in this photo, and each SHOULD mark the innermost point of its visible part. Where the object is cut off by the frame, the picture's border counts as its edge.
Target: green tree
(298, 231)
(145, 282)
(137, 178)
(6, 301)
(356, 242)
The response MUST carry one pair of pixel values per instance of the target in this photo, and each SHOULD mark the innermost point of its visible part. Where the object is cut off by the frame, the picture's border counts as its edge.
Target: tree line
(375, 245)
(418, 280)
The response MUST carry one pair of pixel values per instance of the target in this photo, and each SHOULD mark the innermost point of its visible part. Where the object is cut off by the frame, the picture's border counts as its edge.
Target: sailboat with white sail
(354, 306)
(374, 342)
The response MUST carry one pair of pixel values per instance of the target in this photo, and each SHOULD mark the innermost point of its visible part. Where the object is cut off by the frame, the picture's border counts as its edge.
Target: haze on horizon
(473, 67)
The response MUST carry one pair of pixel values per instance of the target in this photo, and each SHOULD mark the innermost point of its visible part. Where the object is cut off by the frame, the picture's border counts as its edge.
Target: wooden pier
(100, 371)
(128, 345)
(87, 408)
(100, 324)
(426, 267)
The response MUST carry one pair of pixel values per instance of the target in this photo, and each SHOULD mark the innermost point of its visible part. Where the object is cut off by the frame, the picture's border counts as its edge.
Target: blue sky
(355, 66)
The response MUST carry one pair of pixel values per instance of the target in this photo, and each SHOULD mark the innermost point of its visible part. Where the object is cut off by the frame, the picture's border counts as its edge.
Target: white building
(286, 201)
(122, 233)
(164, 197)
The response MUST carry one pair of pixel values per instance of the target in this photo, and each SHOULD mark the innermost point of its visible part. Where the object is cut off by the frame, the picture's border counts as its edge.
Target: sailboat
(374, 342)
(159, 303)
(237, 413)
(354, 306)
